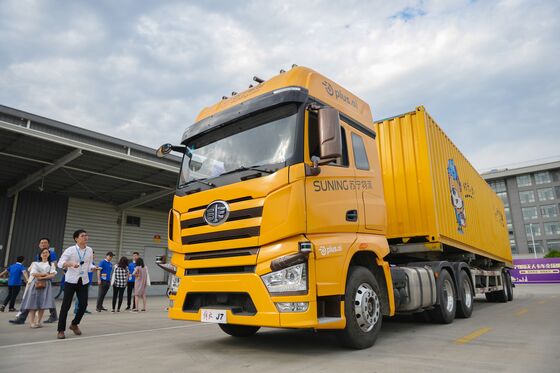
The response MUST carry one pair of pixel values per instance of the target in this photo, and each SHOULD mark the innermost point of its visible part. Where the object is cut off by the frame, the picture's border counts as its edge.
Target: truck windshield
(265, 140)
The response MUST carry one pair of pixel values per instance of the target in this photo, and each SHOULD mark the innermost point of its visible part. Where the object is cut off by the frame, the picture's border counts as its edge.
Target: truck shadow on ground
(309, 342)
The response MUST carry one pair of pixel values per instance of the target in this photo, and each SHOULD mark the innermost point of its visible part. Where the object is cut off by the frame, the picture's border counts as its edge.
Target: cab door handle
(352, 215)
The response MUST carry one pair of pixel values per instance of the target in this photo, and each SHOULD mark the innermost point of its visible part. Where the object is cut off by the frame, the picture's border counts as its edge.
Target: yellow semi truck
(294, 209)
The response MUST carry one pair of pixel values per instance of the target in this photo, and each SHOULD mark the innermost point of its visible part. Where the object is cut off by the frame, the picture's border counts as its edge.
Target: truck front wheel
(362, 308)
(239, 330)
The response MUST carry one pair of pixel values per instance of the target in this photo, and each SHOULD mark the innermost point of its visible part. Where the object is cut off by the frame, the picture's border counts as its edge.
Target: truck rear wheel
(239, 330)
(362, 308)
(509, 287)
(444, 312)
(465, 304)
(499, 296)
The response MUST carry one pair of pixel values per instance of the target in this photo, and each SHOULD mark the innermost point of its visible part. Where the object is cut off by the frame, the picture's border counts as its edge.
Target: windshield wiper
(201, 181)
(250, 168)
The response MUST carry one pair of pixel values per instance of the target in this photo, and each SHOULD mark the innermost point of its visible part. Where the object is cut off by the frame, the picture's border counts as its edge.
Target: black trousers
(13, 292)
(120, 293)
(129, 293)
(81, 292)
(103, 289)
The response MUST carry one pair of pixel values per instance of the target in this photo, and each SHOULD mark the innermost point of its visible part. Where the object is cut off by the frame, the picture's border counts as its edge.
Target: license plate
(215, 316)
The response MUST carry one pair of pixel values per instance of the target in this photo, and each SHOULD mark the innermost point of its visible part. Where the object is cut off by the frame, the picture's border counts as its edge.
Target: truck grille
(232, 234)
(219, 270)
(196, 231)
(254, 212)
(218, 254)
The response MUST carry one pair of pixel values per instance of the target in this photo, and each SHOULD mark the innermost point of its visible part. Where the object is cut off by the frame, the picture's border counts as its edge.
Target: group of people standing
(125, 275)
(78, 263)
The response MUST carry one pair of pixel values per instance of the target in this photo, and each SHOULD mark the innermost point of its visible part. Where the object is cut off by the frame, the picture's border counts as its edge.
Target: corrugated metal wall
(102, 222)
(152, 223)
(5, 214)
(98, 219)
(38, 215)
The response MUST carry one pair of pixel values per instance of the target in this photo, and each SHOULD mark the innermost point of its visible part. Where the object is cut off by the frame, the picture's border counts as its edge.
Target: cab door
(331, 197)
(369, 186)
(332, 208)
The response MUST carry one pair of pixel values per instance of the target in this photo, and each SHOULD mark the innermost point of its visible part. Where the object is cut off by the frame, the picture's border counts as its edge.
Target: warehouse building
(56, 178)
(531, 197)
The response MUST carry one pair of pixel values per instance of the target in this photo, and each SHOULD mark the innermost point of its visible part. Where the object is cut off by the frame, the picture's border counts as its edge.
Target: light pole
(533, 239)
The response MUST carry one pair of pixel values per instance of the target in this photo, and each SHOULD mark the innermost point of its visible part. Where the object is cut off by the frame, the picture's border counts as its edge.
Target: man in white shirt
(77, 260)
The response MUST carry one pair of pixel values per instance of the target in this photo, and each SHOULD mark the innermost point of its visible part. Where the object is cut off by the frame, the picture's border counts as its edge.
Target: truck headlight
(287, 280)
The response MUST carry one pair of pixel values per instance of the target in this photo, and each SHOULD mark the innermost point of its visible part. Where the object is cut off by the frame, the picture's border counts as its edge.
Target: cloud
(141, 71)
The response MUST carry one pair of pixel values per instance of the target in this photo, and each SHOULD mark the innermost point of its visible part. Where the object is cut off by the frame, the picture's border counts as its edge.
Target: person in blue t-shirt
(130, 283)
(105, 269)
(15, 271)
(44, 242)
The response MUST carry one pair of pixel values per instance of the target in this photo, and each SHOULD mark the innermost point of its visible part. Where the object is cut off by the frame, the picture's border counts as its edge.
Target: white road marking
(78, 338)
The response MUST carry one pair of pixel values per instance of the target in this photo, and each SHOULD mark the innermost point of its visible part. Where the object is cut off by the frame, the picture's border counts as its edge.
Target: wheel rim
(448, 295)
(468, 293)
(366, 307)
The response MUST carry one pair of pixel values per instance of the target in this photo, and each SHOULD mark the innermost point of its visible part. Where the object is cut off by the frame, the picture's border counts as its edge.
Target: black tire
(362, 308)
(509, 287)
(444, 311)
(465, 303)
(499, 296)
(239, 330)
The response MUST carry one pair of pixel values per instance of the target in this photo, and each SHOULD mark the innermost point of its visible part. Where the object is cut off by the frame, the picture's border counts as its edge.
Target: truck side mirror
(329, 134)
(168, 148)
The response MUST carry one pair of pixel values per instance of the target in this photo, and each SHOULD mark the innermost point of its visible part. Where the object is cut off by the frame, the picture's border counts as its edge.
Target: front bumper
(266, 313)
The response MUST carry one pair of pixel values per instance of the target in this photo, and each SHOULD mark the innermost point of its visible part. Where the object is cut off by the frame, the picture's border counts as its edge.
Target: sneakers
(75, 329)
(112, 311)
(11, 310)
(60, 335)
(2, 308)
(127, 308)
(98, 309)
(17, 321)
(50, 320)
(104, 309)
(86, 311)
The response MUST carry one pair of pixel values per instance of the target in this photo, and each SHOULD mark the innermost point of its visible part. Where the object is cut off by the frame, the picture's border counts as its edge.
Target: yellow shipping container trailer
(291, 211)
(432, 192)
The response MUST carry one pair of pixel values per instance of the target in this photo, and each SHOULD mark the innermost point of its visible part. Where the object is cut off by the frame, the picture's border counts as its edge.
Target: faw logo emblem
(216, 213)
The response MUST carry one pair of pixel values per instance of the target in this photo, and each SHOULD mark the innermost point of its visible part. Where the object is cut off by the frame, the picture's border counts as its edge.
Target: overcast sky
(487, 71)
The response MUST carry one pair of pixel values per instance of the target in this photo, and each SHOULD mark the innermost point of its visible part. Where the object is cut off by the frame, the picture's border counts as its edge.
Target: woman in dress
(142, 279)
(39, 294)
(119, 280)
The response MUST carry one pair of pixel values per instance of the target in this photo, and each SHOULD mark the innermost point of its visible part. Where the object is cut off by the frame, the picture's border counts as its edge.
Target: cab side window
(360, 155)
(314, 147)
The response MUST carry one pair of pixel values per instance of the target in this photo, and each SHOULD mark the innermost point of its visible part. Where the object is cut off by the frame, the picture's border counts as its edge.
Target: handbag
(40, 284)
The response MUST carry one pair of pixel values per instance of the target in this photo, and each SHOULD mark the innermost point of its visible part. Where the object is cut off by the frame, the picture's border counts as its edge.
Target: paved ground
(520, 336)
